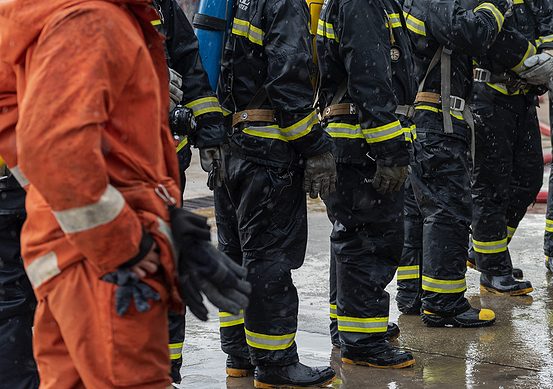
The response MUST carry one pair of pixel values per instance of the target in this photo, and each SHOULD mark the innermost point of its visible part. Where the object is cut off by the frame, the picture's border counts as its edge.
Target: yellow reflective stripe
(362, 324)
(383, 133)
(344, 130)
(517, 2)
(269, 342)
(175, 350)
(333, 311)
(326, 30)
(204, 105)
(269, 132)
(408, 272)
(493, 247)
(443, 286)
(549, 225)
(247, 30)
(227, 319)
(182, 143)
(437, 110)
(529, 52)
(394, 20)
(301, 128)
(415, 25)
(156, 22)
(499, 18)
(410, 133)
(502, 88)
(511, 232)
(544, 39)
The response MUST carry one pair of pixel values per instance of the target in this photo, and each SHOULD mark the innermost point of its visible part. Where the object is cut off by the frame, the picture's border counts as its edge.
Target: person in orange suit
(93, 149)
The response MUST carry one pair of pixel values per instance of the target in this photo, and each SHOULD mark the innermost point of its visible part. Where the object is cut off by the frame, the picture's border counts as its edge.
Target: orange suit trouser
(81, 342)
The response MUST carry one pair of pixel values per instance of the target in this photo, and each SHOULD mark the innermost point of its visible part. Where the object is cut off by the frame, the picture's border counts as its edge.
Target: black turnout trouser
(548, 239)
(17, 301)
(441, 183)
(261, 217)
(366, 242)
(508, 173)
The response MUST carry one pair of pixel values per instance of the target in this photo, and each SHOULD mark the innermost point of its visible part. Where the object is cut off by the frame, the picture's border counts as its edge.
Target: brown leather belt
(253, 115)
(428, 97)
(339, 109)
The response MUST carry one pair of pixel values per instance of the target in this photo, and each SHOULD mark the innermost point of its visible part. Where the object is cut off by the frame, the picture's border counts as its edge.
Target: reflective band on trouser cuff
(295, 131)
(408, 272)
(415, 25)
(247, 30)
(204, 105)
(443, 286)
(548, 225)
(437, 110)
(383, 133)
(366, 325)
(544, 39)
(326, 30)
(333, 311)
(19, 176)
(394, 21)
(43, 269)
(493, 247)
(175, 350)
(269, 342)
(530, 51)
(227, 319)
(499, 18)
(182, 143)
(344, 130)
(103, 211)
(511, 232)
(410, 133)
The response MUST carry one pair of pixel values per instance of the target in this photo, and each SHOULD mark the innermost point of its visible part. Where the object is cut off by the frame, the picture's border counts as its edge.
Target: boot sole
(396, 366)
(262, 385)
(520, 292)
(238, 373)
(452, 322)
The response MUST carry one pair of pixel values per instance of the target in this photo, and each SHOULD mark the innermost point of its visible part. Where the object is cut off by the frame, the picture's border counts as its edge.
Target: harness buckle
(482, 75)
(457, 103)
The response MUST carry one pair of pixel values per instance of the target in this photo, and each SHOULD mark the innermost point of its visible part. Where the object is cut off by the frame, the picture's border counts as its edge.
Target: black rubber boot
(517, 273)
(296, 375)
(469, 319)
(549, 264)
(239, 367)
(504, 285)
(387, 357)
(413, 308)
(391, 334)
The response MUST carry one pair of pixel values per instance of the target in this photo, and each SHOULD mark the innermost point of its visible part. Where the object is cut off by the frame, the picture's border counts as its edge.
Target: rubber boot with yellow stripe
(505, 285)
(384, 356)
(292, 376)
(471, 318)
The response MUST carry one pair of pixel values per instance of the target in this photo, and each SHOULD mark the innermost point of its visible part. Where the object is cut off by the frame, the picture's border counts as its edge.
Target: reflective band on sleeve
(437, 110)
(333, 311)
(269, 132)
(301, 128)
(165, 230)
(43, 269)
(511, 232)
(269, 342)
(502, 88)
(383, 133)
(344, 130)
(182, 144)
(365, 325)
(544, 39)
(247, 30)
(499, 18)
(408, 272)
(204, 105)
(410, 133)
(549, 225)
(326, 30)
(156, 22)
(518, 2)
(104, 211)
(415, 25)
(227, 319)
(443, 286)
(175, 350)
(19, 176)
(530, 51)
(393, 20)
(493, 247)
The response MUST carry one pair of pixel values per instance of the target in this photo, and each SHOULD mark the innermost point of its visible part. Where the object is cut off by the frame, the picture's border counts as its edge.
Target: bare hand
(149, 264)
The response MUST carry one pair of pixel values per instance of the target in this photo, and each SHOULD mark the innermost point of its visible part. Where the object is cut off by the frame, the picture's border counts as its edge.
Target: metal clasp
(482, 75)
(457, 103)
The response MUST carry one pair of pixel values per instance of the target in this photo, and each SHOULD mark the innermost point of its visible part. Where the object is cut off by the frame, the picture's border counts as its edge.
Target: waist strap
(406, 110)
(484, 75)
(456, 103)
(339, 110)
(253, 115)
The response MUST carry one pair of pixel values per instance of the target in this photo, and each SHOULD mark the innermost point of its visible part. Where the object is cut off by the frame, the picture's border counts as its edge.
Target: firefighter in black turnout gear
(508, 169)
(276, 150)
(366, 90)
(196, 118)
(17, 300)
(445, 36)
(548, 238)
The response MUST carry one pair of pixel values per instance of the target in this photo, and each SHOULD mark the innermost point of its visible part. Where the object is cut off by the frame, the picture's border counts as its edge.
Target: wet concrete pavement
(515, 353)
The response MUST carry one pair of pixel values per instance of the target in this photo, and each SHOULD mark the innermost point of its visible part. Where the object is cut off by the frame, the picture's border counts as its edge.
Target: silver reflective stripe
(43, 269)
(175, 350)
(269, 342)
(247, 30)
(343, 130)
(333, 311)
(301, 128)
(104, 211)
(227, 319)
(383, 133)
(165, 230)
(490, 247)
(204, 105)
(511, 232)
(19, 176)
(443, 286)
(367, 325)
(408, 272)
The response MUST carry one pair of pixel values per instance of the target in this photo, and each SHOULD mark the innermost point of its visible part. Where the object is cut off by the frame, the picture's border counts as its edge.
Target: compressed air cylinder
(210, 25)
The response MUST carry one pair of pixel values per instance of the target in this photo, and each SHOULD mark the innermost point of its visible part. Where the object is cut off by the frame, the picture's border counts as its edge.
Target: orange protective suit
(93, 142)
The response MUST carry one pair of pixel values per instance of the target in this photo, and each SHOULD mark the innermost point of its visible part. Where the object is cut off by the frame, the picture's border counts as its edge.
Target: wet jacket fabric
(77, 205)
(548, 238)
(357, 68)
(267, 63)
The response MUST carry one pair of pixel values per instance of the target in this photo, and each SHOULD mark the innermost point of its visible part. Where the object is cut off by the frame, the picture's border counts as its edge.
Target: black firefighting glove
(175, 91)
(211, 160)
(204, 269)
(130, 288)
(320, 175)
(389, 179)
